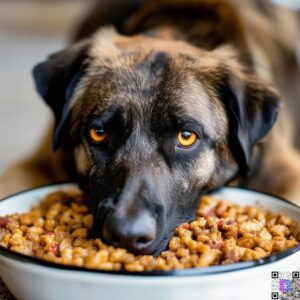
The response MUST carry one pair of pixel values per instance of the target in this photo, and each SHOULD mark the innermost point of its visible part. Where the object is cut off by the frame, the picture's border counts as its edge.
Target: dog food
(57, 230)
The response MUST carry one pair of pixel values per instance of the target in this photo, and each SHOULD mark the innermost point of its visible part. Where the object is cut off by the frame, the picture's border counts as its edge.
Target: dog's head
(152, 125)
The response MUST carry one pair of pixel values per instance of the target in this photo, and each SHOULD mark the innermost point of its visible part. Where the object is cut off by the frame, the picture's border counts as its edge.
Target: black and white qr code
(285, 285)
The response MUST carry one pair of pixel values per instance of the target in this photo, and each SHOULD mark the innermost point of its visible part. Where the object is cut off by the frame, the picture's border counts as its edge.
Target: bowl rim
(211, 270)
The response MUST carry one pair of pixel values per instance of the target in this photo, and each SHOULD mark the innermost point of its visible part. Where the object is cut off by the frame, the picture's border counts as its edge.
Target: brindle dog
(176, 101)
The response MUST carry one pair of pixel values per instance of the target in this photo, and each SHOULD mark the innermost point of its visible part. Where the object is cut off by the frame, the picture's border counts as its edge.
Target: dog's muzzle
(134, 219)
(135, 232)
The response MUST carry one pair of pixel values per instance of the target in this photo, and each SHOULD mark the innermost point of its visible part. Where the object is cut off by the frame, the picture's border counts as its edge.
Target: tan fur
(82, 161)
(216, 126)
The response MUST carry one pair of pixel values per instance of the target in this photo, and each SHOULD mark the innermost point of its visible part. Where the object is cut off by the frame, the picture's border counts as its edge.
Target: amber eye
(98, 135)
(187, 138)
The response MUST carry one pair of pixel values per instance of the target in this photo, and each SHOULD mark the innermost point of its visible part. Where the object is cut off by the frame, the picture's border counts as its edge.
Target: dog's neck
(204, 24)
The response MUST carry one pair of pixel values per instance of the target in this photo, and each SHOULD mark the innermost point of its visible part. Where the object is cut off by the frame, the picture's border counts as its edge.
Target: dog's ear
(252, 106)
(56, 80)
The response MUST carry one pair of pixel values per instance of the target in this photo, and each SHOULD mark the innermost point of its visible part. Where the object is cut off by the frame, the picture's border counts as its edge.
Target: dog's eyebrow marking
(205, 166)
(110, 113)
(200, 105)
(116, 118)
(188, 122)
(82, 161)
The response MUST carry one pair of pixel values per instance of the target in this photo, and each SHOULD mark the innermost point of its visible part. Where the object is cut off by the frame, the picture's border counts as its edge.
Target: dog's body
(242, 45)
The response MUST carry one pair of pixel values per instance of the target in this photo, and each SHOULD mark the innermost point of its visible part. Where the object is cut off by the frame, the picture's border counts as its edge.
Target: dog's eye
(187, 138)
(98, 135)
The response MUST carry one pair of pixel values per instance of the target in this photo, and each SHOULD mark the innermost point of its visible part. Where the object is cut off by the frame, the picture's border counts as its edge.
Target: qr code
(285, 285)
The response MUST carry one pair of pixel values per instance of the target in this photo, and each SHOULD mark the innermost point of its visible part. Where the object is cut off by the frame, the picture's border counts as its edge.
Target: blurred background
(29, 31)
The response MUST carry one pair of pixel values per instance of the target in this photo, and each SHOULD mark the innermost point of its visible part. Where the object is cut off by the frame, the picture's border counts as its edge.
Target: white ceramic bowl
(32, 279)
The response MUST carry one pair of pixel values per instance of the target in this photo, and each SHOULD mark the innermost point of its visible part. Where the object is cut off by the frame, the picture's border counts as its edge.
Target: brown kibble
(88, 221)
(192, 245)
(35, 229)
(118, 255)
(182, 252)
(25, 219)
(57, 230)
(266, 245)
(134, 267)
(39, 222)
(279, 229)
(284, 220)
(175, 243)
(246, 243)
(250, 226)
(80, 233)
(49, 225)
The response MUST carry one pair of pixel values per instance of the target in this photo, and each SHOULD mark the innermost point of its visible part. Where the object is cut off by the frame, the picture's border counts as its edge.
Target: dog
(168, 100)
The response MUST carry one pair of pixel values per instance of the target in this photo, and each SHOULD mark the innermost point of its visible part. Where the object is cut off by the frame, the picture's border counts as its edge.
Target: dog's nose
(133, 233)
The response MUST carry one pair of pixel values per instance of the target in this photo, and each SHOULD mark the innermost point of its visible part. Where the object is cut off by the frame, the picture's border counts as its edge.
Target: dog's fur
(209, 65)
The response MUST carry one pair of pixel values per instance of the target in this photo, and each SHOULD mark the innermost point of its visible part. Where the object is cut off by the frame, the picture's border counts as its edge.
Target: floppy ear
(252, 106)
(56, 80)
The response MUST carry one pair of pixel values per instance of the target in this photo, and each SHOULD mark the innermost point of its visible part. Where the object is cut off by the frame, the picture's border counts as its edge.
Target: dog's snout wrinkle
(138, 193)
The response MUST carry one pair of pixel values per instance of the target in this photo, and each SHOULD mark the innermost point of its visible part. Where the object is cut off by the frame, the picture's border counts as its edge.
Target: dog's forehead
(135, 73)
(108, 43)
(132, 80)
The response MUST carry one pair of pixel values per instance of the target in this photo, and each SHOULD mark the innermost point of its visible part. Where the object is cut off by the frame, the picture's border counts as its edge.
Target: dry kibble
(266, 245)
(80, 233)
(66, 243)
(192, 245)
(246, 243)
(279, 229)
(265, 235)
(33, 237)
(66, 253)
(284, 220)
(25, 219)
(107, 266)
(118, 255)
(103, 255)
(77, 261)
(58, 228)
(49, 225)
(35, 229)
(39, 222)
(91, 260)
(88, 220)
(182, 252)
(175, 243)
(134, 267)
(250, 226)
